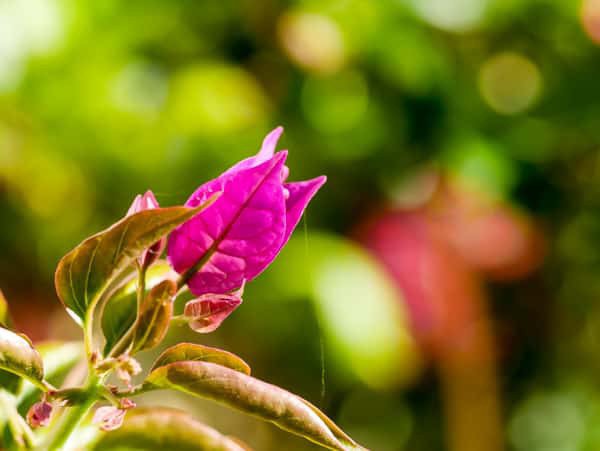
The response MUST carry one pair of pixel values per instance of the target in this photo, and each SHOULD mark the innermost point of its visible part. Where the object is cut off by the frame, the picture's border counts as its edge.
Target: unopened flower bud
(147, 201)
(39, 414)
(206, 313)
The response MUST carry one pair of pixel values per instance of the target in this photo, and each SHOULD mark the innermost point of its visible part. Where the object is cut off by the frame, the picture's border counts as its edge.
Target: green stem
(121, 346)
(20, 430)
(73, 416)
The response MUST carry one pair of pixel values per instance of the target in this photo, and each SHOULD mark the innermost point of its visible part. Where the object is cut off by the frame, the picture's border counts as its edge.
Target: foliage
(89, 280)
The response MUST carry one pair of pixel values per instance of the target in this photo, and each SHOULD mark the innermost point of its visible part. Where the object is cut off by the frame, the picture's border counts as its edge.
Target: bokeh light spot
(27, 27)
(313, 41)
(335, 104)
(509, 83)
(215, 99)
(140, 88)
(590, 19)
(451, 15)
(550, 422)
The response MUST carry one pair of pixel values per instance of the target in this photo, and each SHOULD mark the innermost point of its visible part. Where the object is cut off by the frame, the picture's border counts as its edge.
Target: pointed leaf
(146, 429)
(85, 272)
(251, 396)
(195, 352)
(18, 356)
(155, 316)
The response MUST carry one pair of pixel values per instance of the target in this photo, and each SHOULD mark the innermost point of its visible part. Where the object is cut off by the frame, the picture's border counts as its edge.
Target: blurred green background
(442, 291)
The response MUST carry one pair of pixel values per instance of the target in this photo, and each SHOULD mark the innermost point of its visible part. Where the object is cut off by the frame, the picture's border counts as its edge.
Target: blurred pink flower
(142, 202)
(241, 233)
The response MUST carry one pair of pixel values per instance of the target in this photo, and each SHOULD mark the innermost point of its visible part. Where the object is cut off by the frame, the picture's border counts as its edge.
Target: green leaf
(196, 352)
(252, 396)
(155, 316)
(5, 319)
(88, 270)
(8, 381)
(59, 359)
(118, 316)
(18, 356)
(165, 429)
(121, 310)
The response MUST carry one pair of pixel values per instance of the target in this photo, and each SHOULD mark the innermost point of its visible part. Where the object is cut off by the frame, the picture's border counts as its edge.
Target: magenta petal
(265, 153)
(300, 194)
(208, 311)
(268, 146)
(239, 235)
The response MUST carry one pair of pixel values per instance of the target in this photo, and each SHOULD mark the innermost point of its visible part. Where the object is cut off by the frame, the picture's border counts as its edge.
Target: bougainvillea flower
(142, 202)
(39, 414)
(206, 313)
(241, 233)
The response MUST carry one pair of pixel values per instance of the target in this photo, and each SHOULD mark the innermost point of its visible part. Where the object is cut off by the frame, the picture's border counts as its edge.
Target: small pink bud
(147, 201)
(127, 404)
(39, 414)
(109, 418)
(207, 312)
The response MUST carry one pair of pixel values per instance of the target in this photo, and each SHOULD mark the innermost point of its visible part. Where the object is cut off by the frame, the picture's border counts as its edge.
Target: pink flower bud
(39, 414)
(147, 201)
(207, 312)
(109, 418)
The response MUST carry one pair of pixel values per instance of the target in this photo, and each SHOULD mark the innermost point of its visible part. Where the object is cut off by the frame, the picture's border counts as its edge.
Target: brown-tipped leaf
(195, 352)
(155, 316)
(84, 273)
(18, 356)
(165, 429)
(252, 396)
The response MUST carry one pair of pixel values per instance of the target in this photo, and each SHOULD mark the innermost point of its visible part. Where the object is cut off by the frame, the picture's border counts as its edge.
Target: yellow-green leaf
(252, 396)
(8, 381)
(149, 429)
(196, 352)
(18, 356)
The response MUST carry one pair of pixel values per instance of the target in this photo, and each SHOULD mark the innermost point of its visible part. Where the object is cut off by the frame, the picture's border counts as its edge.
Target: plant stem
(121, 346)
(72, 416)
(20, 430)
